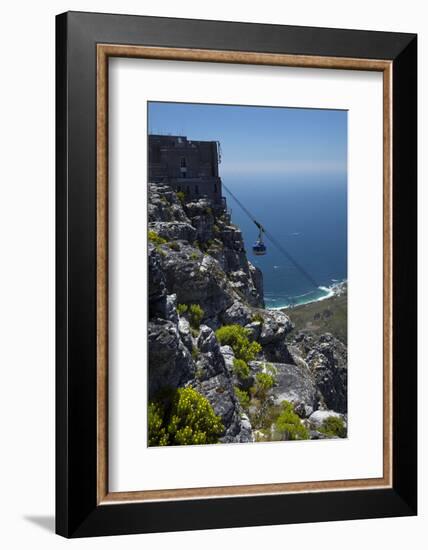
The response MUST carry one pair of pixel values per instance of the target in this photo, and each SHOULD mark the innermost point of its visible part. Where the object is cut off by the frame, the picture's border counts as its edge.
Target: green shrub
(264, 382)
(181, 196)
(200, 373)
(196, 314)
(237, 338)
(155, 238)
(194, 256)
(243, 398)
(182, 309)
(272, 370)
(158, 436)
(333, 425)
(174, 246)
(186, 418)
(288, 423)
(257, 318)
(241, 369)
(195, 353)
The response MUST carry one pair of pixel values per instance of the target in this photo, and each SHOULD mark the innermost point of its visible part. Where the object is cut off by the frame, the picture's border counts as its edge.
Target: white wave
(329, 291)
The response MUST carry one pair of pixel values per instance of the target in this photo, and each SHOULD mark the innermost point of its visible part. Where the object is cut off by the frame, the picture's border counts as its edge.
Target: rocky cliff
(197, 260)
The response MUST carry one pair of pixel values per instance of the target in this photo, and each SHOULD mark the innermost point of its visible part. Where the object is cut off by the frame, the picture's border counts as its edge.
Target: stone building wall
(188, 166)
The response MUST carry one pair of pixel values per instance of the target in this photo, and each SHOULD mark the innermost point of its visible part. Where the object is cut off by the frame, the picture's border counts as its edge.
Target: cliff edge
(208, 328)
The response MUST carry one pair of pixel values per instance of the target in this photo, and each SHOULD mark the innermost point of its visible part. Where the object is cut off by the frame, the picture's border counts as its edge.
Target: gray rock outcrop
(197, 256)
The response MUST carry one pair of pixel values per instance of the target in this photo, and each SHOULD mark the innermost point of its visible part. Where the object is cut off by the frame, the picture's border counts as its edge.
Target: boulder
(276, 325)
(221, 396)
(174, 231)
(294, 384)
(171, 308)
(254, 329)
(157, 286)
(317, 418)
(207, 342)
(201, 216)
(328, 361)
(163, 204)
(185, 332)
(257, 298)
(170, 362)
(228, 357)
(197, 279)
(237, 314)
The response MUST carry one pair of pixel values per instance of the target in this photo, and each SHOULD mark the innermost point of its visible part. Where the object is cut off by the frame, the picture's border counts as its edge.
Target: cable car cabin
(259, 248)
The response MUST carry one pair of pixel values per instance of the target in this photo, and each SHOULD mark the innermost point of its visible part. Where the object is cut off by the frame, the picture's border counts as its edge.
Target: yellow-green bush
(333, 425)
(182, 309)
(257, 318)
(237, 338)
(243, 398)
(288, 423)
(174, 246)
(264, 382)
(196, 314)
(187, 419)
(241, 369)
(155, 238)
(157, 433)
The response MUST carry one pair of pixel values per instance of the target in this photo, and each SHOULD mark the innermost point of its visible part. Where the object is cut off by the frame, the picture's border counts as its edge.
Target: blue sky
(256, 141)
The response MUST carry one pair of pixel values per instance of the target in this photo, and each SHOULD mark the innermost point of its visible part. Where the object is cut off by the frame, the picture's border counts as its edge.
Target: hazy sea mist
(307, 214)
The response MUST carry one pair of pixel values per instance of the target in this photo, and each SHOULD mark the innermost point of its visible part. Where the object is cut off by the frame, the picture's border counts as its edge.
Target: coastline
(329, 315)
(336, 289)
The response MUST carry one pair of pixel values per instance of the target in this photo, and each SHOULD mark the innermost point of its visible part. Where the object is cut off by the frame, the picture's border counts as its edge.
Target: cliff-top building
(187, 166)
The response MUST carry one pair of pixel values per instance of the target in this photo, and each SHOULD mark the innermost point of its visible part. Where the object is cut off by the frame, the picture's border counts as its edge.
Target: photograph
(247, 273)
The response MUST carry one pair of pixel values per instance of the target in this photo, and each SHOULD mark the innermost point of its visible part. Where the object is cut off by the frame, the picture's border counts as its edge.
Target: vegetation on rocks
(182, 309)
(181, 196)
(155, 238)
(289, 425)
(237, 338)
(235, 371)
(196, 314)
(187, 418)
(243, 397)
(257, 318)
(333, 426)
(328, 315)
(264, 382)
(241, 369)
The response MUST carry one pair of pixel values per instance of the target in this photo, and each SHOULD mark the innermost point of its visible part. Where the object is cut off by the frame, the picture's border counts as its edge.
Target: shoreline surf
(335, 289)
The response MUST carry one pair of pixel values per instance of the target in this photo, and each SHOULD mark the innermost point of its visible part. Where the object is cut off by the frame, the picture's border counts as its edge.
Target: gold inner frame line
(104, 51)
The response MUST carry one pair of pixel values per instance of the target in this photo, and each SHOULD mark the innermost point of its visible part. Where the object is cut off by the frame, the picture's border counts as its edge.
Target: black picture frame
(77, 511)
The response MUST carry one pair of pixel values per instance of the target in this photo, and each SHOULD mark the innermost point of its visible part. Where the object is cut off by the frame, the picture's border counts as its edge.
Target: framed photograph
(236, 274)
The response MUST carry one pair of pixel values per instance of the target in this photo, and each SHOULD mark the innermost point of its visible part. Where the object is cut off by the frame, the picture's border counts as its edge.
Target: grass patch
(333, 426)
(328, 315)
(155, 238)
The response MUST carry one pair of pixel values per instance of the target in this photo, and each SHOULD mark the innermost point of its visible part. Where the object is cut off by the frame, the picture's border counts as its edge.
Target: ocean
(307, 215)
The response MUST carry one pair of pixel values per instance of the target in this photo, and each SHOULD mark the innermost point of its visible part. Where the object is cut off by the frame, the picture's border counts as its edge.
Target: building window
(197, 189)
(215, 188)
(183, 163)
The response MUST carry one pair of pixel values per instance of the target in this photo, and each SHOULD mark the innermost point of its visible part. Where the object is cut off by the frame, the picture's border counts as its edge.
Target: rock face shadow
(45, 522)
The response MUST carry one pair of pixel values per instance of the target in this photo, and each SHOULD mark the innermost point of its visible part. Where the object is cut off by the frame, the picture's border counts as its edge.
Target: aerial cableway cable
(272, 239)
